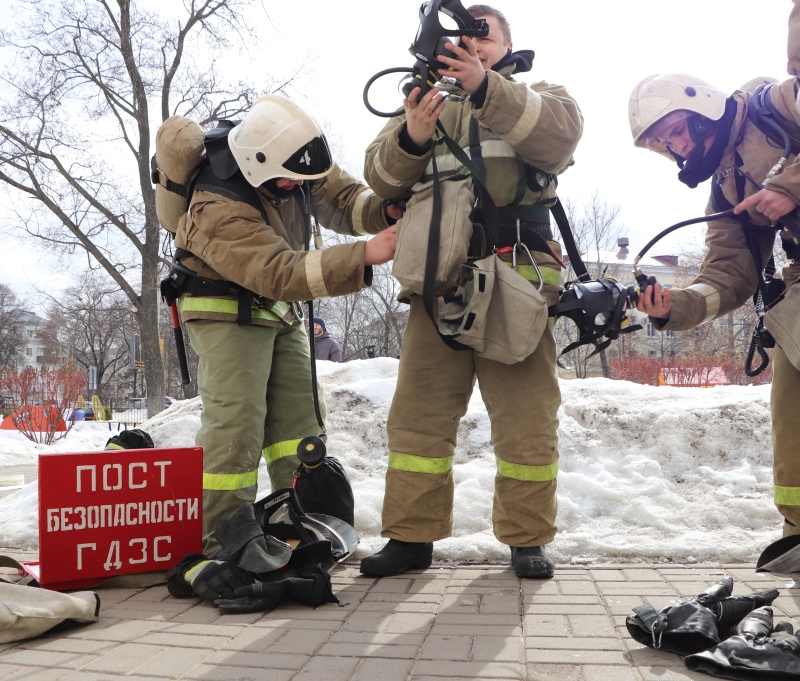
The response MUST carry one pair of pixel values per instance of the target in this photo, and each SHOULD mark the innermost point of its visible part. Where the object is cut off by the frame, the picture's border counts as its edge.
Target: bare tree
(11, 328)
(88, 327)
(370, 321)
(91, 81)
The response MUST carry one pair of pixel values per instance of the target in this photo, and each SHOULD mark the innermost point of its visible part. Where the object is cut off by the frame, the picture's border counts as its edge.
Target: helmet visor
(311, 159)
(660, 135)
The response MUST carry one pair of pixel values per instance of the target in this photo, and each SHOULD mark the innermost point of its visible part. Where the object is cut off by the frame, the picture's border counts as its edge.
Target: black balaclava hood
(701, 164)
(522, 61)
(272, 188)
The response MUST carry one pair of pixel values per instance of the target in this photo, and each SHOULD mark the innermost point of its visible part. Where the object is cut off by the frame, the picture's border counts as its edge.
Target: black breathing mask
(428, 46)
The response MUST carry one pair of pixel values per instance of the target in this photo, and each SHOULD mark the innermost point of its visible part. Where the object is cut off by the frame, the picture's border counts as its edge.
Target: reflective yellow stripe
(787, 496)
(112, 446)
(192, 573)
(280, 449)
(551, 277)
(200, 304)
(518, 471)
(221, 482)
(420, 464)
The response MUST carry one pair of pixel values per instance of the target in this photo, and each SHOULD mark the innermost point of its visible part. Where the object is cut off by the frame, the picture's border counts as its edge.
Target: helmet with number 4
(661, 101)
(278, 139)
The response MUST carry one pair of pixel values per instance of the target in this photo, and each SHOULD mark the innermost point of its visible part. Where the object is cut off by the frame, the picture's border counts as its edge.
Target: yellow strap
(222, 482)
(551, 277)
(518, 471)
(787, 496)
(227, 306)
(420, 464)
(280, 449)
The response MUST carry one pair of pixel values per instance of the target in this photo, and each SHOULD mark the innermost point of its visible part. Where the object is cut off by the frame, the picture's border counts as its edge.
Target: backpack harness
(183, 280)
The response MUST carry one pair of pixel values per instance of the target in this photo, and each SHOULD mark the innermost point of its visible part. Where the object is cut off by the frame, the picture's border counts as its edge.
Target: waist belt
(534, 230)
(183, 280)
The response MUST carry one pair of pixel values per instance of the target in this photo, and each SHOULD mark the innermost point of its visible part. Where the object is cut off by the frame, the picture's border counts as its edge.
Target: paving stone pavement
(447, 622)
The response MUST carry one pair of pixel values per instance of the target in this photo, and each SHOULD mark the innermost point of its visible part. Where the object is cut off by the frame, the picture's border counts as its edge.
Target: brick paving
(448, 622)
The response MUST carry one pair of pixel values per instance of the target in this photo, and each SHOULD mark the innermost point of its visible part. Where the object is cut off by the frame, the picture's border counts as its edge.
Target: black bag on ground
(696, 624)
(757, 651)
(321, 483)
(135, 438)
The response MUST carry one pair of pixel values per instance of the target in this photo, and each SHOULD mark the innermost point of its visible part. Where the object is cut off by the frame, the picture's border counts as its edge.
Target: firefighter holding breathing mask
(737, 142)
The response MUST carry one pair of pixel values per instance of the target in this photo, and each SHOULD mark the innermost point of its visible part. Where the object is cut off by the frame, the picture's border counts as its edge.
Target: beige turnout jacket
(231, 241)
(539, 125)
(728, 276)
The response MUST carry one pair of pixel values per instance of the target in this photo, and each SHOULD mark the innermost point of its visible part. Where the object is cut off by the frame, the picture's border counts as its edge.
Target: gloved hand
(757, 651)
(310, 585)
(697, 624)
(212, 580)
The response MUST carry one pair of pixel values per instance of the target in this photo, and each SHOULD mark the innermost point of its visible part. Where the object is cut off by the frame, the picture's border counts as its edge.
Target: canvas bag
(180, 148)
(26, 610)
(457, 201)
(495, 311)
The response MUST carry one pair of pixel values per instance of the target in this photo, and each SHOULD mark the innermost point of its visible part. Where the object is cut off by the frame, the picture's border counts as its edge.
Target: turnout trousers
(255, 384)
(434, 385)
(784, 401)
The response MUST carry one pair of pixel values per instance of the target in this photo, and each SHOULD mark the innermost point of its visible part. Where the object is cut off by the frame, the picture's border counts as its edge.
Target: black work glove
(697, 624)
(757, 651)
(212, 580)
(256, 597)
(310, 585)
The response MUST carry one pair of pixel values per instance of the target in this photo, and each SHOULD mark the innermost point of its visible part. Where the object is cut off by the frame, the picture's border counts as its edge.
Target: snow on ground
(647, 474)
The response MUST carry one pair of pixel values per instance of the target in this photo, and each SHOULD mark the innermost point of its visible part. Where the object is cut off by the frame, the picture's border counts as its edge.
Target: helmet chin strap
(701, 163)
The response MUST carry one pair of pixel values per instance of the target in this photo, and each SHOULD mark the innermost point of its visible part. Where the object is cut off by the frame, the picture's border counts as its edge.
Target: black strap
(575, 259)
(766, 117)
(720, 203)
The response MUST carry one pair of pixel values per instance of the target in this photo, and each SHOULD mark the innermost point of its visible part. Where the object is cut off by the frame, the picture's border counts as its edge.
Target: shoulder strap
(235, 187)
(766, 117)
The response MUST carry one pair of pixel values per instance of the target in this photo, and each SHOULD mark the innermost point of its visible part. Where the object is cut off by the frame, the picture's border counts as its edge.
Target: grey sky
(598, 50)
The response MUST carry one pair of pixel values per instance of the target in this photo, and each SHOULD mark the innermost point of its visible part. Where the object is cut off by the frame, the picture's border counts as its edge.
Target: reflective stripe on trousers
(784, 398)
(434, 386)
(440, 465)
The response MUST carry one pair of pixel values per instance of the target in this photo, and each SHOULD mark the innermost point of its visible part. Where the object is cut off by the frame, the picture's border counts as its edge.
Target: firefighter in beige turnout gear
(712, 137)
(255, 378)
(519, 127)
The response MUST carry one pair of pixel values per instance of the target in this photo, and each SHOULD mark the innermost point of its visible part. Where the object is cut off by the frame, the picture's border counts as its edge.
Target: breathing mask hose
(380, 74)
(642, 279)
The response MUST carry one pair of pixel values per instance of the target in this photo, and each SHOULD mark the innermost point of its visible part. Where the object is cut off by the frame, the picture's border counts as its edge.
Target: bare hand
(655, 301)
(772, 204)
(394, 212)
(380, 248)
(467, 68)
(421, 116)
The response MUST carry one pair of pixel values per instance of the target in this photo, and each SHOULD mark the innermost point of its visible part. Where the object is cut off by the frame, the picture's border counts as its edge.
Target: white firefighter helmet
(662, 100)
(278, 139)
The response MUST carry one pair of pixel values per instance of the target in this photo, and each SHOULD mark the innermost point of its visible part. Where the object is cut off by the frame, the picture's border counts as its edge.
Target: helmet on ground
(661, 101)
(278, 139)
(315, 537)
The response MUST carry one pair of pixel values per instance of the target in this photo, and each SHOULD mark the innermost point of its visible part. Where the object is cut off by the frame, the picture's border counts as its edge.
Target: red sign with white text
(117, 512)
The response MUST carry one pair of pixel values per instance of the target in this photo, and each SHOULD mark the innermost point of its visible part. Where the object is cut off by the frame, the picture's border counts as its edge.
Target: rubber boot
(397, 557)
(531, 562)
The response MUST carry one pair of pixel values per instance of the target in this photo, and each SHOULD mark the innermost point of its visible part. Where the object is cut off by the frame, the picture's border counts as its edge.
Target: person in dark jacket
(324, 346)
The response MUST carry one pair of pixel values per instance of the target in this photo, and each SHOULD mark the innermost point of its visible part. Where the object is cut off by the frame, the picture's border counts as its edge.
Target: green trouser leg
(784, 399)
(291, 415)
(236, 383)
(434, 385)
